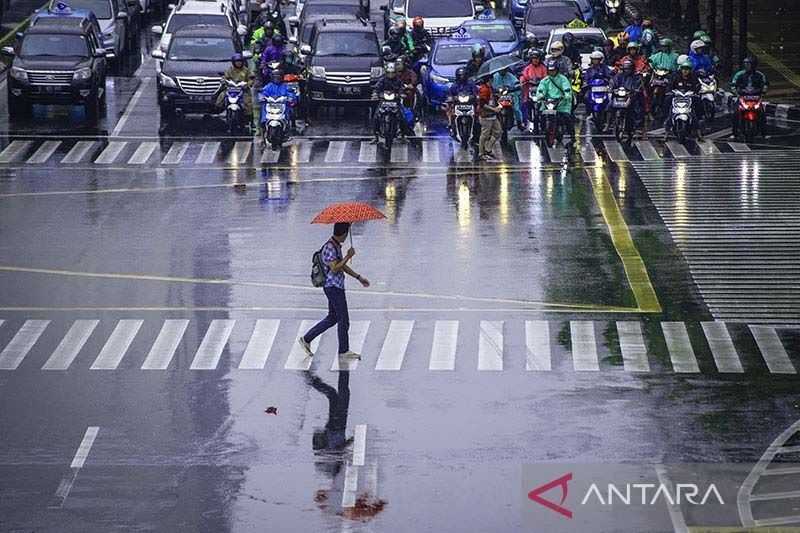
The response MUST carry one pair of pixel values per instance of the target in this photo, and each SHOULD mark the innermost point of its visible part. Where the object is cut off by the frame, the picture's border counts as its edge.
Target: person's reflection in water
(332, 438)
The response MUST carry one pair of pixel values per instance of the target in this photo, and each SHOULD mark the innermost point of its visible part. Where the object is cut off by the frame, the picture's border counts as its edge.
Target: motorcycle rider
(685, 80)
(700, 58)
(474, 64)
(397, 42)
(273, 52)
(275, 17)
(570, 49)
(610, 52)
(649, 38)
(238, 72)
(563, 63)
(276, 88)
(534, 72)
(665, 58)
(597, 68)
(420, 37)
(460, 86)
(632, 81)
(409, 79)
(634, 55)
(505, 78)
(392, 83)
(408, 42)
(556, 86)
(749, 80)
(263, 33)
(635, 29)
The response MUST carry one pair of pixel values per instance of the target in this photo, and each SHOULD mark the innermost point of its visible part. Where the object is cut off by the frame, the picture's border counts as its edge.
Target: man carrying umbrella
(335, 269)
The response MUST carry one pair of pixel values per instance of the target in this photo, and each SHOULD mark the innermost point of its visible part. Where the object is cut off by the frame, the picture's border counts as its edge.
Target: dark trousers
(337, 315)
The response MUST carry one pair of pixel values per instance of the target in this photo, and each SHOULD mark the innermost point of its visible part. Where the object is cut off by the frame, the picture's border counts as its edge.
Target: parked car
(439, 72)
(115, 22)
(442, 17)
(500, 33)
(542, 17)
(586, 39)
(58, 62)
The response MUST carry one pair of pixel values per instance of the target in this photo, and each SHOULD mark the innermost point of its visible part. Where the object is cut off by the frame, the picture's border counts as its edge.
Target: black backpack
(318, 268)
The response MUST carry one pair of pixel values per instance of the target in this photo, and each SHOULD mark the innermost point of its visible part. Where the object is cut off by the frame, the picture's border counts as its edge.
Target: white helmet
(597, 54)
(557, 48)
(696, 45)
(682, 58)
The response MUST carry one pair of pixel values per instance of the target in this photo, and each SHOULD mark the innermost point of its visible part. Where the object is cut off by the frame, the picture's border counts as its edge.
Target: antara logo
(536, 495)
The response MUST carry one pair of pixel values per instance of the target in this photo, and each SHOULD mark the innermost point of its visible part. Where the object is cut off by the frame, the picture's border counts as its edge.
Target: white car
(194, 12)
(442, 17)
(586, 39)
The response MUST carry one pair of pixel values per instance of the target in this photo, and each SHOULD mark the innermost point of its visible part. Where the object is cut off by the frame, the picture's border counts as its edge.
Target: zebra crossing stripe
(430, 151)
(647, 150)
(443, 349)
(110, 152)
(70, 346)
(631, 344)
(678, 150)
(358, 336)
(537, 341)
(556, 154)
(212, 345)
(175, 153)
(400, 153)
(268, 155)
(260, 344)
(722, 348)
(14, 151)
(524, 149)
(393, 351)
(490, 345)
(301, 152)
(461, 155)
(240, 154)
(335, 152)
(707, 147)
(772, 350)
(298, 359)
(679, 347)
(43, 153)
(368, 152)
(163, 349)
(739, 147)
(584, 346)
(78, 152)
(117, 344)
(615, 151)
(143, 153)
(208, 153)
(19, 346)
(588, 153)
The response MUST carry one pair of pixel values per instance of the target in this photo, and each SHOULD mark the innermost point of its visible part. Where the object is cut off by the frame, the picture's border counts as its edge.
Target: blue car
(448, 54)
(516, 11)
(501, 34)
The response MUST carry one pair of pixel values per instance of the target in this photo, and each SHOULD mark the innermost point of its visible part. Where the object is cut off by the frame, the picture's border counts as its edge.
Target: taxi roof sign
(461, 33)
(487, 14)
(61, 8)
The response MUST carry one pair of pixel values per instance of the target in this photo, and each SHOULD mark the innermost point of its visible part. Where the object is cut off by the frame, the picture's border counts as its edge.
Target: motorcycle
(613, 10)
(235, 116)
(506, 101)
(598, 101)
(621, 103)
(708, 91)
(464, 118)
(275, 120)
(658, 90)
(388, 110)
(682, 119)
(534, 113)
(749, 114)
(552, 127)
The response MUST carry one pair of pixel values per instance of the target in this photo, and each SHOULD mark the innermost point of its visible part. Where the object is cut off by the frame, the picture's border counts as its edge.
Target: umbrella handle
(351, 241)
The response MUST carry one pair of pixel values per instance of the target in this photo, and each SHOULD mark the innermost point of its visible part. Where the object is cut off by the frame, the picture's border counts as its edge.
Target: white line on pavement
(78, 461)
(131, 105)
(175, 153)
(537, 341)
(430, 151)
(14, 151)
(163, 349)
(584, 346)
(240, 154)
(739, 147)
(298, 359)
(78, 152)
(335, 152)
(400, 153)
(368, 152)
(722, 348)
(678, 150)
(772, 350)
(43, 153)
(19, 346)
(70, 346)
(632, 346)
(395, 344)
(208, 153)
(588, 153)
(443, 349)
(490, 345)
(674, 510)
(680, 348)
(110, 152)
(647, 150)
(615, 151)
(143, 153)
(350, 486)
(358, 336)
(268, 155)
(117, 344)
(360, 445)
(260, 344)
(212, 345)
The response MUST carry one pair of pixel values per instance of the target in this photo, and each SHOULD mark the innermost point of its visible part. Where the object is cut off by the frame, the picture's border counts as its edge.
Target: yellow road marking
(635, 270)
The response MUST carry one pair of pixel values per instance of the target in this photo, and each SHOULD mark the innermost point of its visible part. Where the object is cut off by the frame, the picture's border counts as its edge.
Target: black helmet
(237, 58)
(627, 65)
(276, 75)
(750, 61)
(567, 39)
(461, 74)
(551, 64)
(394, 32)
(277, 39)
(535, 54)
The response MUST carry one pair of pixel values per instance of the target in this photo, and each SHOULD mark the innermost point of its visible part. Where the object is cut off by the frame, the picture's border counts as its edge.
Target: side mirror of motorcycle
(157, 54)
(8, 51)
(241, 30)
(305, 49)
(157, 29)
(247, 54)
(293, 39)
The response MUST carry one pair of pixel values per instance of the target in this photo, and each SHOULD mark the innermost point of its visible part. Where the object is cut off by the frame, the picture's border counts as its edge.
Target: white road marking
(78, 461)
(260, 344)
(358, 336)
(490, 345)
(584, 346)
(720, 134)
(360, 445)
(722, 348)
(14, 151)
(524, 150)
(632, 346)
(175, 153)
(647, 150)
(350, 486)
(674, 510)
(678, 150)
(117, 344)
(464, 156)
(70, 346)
(443, 349)
(368, 152)
(19, 346)
(399, 153)
(556, 153)
(268, 155)
(708, 147)
(394, 347)
(588, 153)
(143, 153)
(301, 152)
(537, 341)
(335, 152)
(240, 154)
(131, 106)
(208, 153)
(430, 151)
(739, 147)
(680, 348)
(78, 152)
(163, 349)
(212, 345)
(772, 350)
(110, 152)
(43, 153)
(615, 151)
(298, 359)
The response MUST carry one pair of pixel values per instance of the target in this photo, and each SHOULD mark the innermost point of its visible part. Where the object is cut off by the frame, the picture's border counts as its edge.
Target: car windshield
(555, 15)
(201, 49)
(181, 21)
(100, 8)
(347, 44)
(439, 8)
(493, 32)
(586, 44)
(331, 9)
(54, 45)
(453, 54)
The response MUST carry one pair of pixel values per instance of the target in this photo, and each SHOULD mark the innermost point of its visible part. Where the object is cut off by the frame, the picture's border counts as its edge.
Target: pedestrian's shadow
(331, 441)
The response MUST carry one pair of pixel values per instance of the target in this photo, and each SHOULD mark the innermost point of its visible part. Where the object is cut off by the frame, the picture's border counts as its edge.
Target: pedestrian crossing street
(396, 345)
(304, 151)
(735, 221)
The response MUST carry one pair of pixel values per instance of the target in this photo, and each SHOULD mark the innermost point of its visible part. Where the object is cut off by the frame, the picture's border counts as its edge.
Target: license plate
(599, 89)
(464, 108)
(549, 112)
(198, 98)
(350, 90)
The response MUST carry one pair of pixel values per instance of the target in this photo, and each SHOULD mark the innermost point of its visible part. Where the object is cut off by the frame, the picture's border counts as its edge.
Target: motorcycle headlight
(318, 72)
(82, 74)
(19, 74)
(612, 3)
(376, 72)
(439, 79)
(166, 81)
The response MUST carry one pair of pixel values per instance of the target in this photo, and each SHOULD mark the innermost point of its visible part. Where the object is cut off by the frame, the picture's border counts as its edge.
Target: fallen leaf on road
(271, 410)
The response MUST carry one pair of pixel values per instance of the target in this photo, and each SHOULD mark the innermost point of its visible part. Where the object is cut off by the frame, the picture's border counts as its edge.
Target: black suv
(343, 62)
(191, 76)
(58, 62)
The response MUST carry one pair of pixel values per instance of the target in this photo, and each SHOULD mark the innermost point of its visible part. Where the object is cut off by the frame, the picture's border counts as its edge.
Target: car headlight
(318, 72)
(82, 74)
(166, 81)
(439, 79)
(376, 72)
(19, 74)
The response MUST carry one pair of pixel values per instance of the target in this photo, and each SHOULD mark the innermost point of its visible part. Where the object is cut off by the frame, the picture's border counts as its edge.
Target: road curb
(780, 111)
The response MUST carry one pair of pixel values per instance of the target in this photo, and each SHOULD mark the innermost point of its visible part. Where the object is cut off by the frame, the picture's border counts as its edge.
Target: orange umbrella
(348, 212)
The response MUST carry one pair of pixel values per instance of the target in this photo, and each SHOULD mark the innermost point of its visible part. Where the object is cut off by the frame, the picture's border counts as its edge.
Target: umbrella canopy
(496, 64)
(347, 212)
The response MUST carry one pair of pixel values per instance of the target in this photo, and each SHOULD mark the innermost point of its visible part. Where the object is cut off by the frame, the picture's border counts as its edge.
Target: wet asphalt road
(151, 299)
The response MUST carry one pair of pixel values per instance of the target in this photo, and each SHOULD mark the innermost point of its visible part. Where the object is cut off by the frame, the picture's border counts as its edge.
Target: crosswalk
(303, 151)
(394, 345)
(735, 221)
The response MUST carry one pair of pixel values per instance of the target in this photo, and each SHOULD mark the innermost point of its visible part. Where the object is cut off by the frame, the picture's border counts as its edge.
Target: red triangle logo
(536, 495)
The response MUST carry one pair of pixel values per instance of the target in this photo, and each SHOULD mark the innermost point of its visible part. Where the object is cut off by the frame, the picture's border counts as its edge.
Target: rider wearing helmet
(534, 72)
(564, 64)
(751, 81)
(276, 88)
(461, 85)
(391, 82)
(420, 37)
(570, 49)
(635, 29)
(238, 72)
(649, 39)
(699, 56)
(397, 42)
(273, 52)
(632, 81)
(505, 78)
(474, 64)
(634, 55)
(665, 58)
(556, 86)
(686, 80)
(597, 68)
(263, 33)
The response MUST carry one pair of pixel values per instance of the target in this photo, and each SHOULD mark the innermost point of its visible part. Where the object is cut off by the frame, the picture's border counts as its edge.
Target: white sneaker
(306, 346)
(350, 354)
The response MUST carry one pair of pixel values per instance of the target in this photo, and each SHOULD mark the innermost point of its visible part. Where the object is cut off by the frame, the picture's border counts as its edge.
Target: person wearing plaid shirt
(336, 268)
